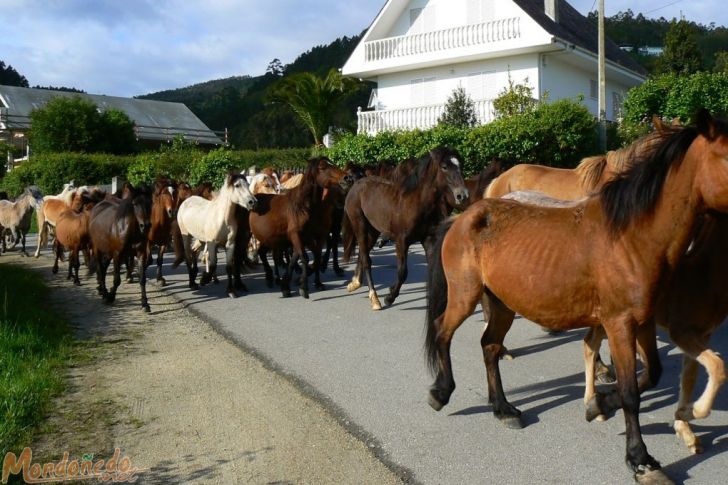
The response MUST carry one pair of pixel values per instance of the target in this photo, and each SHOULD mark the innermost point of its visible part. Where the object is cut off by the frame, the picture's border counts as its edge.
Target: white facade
(419, 51)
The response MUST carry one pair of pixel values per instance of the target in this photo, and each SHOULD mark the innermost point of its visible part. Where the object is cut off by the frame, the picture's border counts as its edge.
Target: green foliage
(514, 99)
(673, 97)
(214, 165)
(557, 134)
(74, 124)
(10, 77)
(50, 171)
(721, 62)
(35, 347)
(459, 110)
(681, 54)
(173, 161)
(312, 98)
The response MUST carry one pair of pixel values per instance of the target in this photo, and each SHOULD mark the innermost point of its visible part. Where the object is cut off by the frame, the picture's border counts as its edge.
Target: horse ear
(705, 123)
(658, 123)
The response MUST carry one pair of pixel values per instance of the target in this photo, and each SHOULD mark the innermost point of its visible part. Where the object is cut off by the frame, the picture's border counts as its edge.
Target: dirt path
(185, 404)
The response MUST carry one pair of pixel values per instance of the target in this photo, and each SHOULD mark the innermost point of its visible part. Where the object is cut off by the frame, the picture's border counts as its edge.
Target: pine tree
(459, 110)
(681, 54)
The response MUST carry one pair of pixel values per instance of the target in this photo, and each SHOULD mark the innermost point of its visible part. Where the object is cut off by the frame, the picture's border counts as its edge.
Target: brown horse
(297, 219)
(72, 232)
(477, 184)
(164, 211)
(119, 230)
(406, 210)
(691, 308)
(603, 261)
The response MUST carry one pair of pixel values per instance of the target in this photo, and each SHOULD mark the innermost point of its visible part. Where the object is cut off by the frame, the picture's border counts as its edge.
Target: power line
(664, 6)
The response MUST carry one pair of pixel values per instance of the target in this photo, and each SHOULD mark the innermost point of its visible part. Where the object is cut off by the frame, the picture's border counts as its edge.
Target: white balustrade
(418, 117)
(438, 40)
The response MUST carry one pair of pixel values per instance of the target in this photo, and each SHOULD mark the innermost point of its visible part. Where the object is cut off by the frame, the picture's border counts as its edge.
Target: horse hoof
(54, 270)
(593, 411)
(303, 293)
(161, 282)
(320, 286)
(146, 308)
(240, 286)
(232, 294)
(77, 282)
(352, 287)
(505, 354)
(436, 400)
(388, 300)
(510, 421)
(194, 286)
(647, 475)
(286, 293)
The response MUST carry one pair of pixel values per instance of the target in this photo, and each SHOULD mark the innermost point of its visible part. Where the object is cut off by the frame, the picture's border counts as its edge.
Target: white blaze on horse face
(455, 161)
(171, 190)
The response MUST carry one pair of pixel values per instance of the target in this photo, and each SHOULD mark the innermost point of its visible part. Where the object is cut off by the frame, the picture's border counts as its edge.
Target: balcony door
(423, 91)
(481, 85)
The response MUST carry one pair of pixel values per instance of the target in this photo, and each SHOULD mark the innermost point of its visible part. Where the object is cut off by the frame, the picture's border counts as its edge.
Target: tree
(721, 62)
(313, 99)
(681, 54)
(74, 124)
(459, 110)
(275, 68)
(10, 77)
(515, 99)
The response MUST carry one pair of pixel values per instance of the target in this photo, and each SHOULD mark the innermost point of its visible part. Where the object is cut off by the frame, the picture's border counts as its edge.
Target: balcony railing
(419, 117)
(439, 40)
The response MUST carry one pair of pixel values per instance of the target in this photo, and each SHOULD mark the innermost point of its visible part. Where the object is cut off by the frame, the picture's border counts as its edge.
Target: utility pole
(602, 80)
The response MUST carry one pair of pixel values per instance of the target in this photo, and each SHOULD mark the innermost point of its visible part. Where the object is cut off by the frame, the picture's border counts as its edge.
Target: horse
(293, 181)
(477, 184)
(298, 218)
(15, 216)
(214, 223)
(184, 192)
(690, 308)
(262, 183)
(273, 174)
(49, 210)
(72, 232)
(119, 231)
(164, 210)
(602, 261)
(406, 211)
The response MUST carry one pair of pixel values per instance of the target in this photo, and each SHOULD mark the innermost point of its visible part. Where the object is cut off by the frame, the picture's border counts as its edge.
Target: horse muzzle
(143, 227)
(461, 196)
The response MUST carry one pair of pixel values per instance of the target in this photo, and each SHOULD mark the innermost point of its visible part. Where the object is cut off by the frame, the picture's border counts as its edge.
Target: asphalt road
(368, 369)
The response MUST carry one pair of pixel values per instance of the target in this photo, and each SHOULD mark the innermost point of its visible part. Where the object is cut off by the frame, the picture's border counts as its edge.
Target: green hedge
(557, 134)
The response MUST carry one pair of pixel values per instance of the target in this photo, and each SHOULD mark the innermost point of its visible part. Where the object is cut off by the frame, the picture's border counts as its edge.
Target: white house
(419, 51)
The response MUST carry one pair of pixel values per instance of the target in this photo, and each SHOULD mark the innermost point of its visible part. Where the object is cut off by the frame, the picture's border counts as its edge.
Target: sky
(134, 47)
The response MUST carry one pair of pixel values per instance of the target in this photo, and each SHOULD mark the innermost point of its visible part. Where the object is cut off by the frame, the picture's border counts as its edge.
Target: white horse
(214, 223)
(51, 207)
(15, 216)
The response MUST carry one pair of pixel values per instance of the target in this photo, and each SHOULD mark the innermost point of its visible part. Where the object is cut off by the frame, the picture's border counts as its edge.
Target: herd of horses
(622, 243)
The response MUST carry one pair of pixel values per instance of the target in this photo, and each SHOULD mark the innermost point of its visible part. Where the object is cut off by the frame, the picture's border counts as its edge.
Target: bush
(214, 165)
(557, 134)
(671, 96)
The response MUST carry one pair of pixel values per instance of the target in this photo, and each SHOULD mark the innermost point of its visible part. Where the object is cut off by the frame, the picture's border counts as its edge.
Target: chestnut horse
(406, 210)
(49, 210)
(298, 218)
(119, 230)
(213, 223)
(603, 261)
(164, 213)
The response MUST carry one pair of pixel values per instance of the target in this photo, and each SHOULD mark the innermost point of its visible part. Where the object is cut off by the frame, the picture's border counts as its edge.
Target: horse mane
(141, 194)
(422, 166)
(635, 191)
(590, 170)
(305, 194)
(487, 175)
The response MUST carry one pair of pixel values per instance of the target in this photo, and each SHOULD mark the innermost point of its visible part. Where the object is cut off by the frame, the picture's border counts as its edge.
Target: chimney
(551, 8)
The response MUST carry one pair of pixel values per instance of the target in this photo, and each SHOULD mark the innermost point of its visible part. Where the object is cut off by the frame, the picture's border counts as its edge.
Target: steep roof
(576, 29)
(154, 120)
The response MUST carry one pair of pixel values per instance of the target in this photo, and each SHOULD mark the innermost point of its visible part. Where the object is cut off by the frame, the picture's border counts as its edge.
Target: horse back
(559, 183)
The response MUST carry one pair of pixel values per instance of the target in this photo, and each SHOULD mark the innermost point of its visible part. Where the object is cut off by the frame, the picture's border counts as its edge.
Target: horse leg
(622, 343)
(491, 342)
(102, 265)
(687, 385)
(143, 258)
(160, 260)
(263, 254)
(129, 269)
(365, 239)
(69, 276)
(317, 267)
(117, 279)
(89, 260)
(287, 273)
(58, 251)
(592, 341)
(76, 265)
(23, 251)
(210, 264)
(402, 248)
(230, 266)
(299, 253)
(42, 231)
(695, 347)
(190, 261)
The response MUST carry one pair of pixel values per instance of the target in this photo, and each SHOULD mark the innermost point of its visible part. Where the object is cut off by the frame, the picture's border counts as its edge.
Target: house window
(593, 89)
(617, 101)
(481, 85)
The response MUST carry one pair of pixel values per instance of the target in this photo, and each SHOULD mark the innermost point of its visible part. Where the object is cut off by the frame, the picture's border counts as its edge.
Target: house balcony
(462, 37)
(418, 117)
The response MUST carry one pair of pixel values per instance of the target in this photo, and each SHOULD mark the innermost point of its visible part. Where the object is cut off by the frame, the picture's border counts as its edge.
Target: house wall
(565, 80)
(396, 90)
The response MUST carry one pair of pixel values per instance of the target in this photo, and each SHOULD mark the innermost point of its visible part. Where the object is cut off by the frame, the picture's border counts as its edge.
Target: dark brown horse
(604, 260)
(299, 218)
(119, 230)
(164, 212)
(477, 184)
(406, 210)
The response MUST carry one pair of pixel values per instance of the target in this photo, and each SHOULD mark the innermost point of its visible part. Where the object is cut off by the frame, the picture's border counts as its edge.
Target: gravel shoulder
(185, 404)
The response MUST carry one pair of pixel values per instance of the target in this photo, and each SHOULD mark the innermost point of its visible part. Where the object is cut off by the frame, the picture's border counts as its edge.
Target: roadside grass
(35, 348)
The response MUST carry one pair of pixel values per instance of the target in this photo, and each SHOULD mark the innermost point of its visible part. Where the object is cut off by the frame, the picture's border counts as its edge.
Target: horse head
(263, 183)
(713, 152)
(449, 176)
(141, 202)
(36, 196)
(328, 175)
(165, 195)
(237, 186)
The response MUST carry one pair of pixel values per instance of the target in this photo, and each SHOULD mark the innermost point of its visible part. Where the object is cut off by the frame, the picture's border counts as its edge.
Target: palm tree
(312, 98)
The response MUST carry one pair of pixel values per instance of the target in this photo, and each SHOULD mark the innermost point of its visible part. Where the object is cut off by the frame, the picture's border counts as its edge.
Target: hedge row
(50, 171)
(557, 134)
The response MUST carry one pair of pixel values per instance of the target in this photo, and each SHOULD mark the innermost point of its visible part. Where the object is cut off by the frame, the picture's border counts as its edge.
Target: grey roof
(576, 29)
(154, 120)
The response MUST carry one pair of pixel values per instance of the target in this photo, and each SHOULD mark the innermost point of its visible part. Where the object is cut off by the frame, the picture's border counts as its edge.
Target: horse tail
(436, 296)
(349, 239)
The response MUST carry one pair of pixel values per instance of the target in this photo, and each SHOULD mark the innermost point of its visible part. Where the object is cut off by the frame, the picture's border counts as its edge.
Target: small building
(419, 51)
(155, 122)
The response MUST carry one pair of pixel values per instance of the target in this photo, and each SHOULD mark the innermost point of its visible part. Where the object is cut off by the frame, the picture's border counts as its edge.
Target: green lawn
(35, 347)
